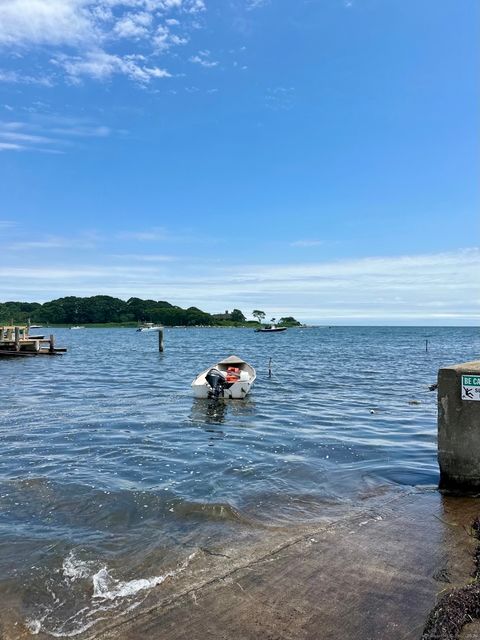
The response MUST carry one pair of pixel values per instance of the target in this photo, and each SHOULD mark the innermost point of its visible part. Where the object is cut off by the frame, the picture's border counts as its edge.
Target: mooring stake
(270, 368)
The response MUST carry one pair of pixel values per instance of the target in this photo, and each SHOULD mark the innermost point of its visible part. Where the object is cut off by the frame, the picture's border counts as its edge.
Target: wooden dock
(16, 341)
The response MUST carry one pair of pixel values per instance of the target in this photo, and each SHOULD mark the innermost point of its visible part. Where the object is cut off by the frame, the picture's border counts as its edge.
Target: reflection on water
(216, 411)
(112, 475)
(209, 411)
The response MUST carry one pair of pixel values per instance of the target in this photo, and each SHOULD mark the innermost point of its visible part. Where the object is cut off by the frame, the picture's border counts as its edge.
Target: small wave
(107, 595)
(34, 626)
(76, 569)
(106, 587)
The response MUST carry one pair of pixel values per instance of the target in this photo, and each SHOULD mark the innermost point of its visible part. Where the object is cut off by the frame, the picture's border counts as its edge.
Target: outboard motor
(216, 379)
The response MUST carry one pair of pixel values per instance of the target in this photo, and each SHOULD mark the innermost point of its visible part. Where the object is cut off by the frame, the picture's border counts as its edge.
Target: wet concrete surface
(372, 575)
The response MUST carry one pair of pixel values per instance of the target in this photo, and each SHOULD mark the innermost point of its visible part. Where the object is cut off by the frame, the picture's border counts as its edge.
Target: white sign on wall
(471, 387)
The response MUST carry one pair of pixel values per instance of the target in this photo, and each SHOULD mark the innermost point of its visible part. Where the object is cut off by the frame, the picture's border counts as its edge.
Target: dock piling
(16, 341)
(160, 340)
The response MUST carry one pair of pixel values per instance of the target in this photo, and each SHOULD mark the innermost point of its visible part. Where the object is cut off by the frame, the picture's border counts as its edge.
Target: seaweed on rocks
(458, 607)
(476, 534)
(452, 612)
(476, 528)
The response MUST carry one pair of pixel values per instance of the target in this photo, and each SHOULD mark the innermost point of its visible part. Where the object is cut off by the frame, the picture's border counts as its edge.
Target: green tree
(237, 316)
(289, 321)
(258, 315)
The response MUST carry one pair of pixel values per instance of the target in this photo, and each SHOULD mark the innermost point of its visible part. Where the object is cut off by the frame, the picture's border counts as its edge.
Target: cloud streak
(422, 288)
(47, 135)
(306, 243)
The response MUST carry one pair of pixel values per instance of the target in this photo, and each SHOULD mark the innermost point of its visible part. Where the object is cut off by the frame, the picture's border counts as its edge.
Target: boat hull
(237, 391)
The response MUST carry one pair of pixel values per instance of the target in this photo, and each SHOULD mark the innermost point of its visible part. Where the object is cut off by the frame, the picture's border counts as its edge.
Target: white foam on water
(108, 593)
(106, 587)
(34, 626)
(75, 569)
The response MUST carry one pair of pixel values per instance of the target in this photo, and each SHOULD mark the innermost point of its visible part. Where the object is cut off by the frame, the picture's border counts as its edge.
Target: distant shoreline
(129, 325)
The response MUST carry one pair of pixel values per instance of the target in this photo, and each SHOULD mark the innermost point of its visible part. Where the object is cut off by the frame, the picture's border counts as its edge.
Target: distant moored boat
(272, 329)
(149, 326)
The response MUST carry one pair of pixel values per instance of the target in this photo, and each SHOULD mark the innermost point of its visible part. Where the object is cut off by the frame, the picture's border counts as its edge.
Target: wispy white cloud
(7, 224)
(82, 131)
(16, 136)
(84, 241)
(134, 25)
(10, 146)
(306, 243)
(154, 234)
(140, 257)
(164, 38)
(144, 235)
(203, 59)
(255, 4)
(48, 134)
(280, 98)
(100, 65)
(15, 77)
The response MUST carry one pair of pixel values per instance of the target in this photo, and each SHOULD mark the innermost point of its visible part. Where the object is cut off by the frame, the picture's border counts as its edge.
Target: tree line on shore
(106, 309)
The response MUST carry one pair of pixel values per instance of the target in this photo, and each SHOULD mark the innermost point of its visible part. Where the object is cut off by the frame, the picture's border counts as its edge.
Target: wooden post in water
(270, 368)
(160, 340)
(51, 348)
(17, 338)
(426, 346)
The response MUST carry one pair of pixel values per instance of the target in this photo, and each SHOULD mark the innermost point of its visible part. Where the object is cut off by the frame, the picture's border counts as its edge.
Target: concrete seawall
(459, 427)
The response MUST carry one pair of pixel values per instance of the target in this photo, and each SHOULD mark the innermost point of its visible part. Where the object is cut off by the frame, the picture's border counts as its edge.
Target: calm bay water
(112, 477)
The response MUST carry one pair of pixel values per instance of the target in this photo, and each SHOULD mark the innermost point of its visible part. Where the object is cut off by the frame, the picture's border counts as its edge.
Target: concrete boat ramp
(372, 574)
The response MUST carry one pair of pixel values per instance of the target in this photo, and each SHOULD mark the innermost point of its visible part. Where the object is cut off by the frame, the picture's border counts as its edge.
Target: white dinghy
(231, 378)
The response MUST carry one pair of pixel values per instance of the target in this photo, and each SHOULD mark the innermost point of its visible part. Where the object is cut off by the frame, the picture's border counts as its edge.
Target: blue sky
(316, 158)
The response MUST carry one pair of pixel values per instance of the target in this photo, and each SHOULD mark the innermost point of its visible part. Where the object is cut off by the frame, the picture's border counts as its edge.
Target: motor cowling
(217, 382)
